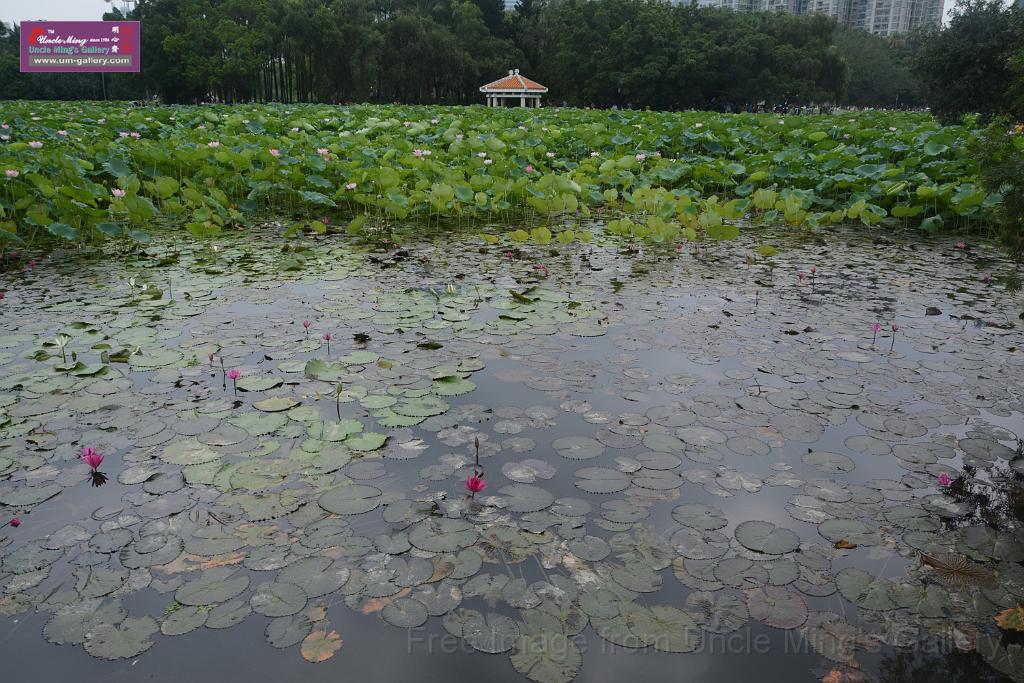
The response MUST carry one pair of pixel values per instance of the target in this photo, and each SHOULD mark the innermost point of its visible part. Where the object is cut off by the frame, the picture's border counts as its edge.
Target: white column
(522, 101)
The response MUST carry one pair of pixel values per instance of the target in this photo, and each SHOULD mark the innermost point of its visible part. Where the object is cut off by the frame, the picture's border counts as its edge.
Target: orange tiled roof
(514, 81)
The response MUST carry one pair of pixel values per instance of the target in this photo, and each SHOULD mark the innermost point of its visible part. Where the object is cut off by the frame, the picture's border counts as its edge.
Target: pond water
(698, 466)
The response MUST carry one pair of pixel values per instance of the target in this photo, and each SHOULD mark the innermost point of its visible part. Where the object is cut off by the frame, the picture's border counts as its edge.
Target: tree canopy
(647, 53)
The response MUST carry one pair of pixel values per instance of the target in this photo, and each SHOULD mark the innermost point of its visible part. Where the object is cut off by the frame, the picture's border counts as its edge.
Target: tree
(968, 67)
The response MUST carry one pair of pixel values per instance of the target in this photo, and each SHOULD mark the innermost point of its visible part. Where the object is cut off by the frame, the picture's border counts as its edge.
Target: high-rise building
(884, 17)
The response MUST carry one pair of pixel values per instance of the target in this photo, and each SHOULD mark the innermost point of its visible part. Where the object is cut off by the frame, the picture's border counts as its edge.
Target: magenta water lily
(92, 458)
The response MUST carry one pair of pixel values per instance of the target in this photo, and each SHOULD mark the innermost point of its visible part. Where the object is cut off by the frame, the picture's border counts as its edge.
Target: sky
(71, 10)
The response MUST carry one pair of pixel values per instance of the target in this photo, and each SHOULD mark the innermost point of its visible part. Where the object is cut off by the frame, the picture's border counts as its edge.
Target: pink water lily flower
(475, 483)
(961, 245)
(15, 522)
(945, 479)
(92, 458)
(306, 323)
(11, 173)
(2, 294)
(35, 144)
(875, 329)
(509, 255)
(800, 276)
(117, 192)
(327, 338)
(234, 374)
(275, 152)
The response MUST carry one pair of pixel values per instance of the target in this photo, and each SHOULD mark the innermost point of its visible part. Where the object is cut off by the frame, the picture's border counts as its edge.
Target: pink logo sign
(80, 46)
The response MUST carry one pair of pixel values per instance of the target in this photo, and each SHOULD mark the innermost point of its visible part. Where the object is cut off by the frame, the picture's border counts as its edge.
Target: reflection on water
(698, 466)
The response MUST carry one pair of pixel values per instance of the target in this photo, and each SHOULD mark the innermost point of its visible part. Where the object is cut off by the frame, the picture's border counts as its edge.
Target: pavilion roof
(513, 82)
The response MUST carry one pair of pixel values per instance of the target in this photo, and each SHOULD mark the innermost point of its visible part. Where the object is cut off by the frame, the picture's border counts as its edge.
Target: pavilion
(513, 90)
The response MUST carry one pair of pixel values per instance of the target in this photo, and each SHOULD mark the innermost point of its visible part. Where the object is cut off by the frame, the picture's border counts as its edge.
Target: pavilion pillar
(522, 101)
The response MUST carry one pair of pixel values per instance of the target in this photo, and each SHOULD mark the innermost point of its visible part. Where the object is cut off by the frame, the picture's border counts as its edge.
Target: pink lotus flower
(945, 479)
(641, 157)
(5, 126)
(509, 255)
(482, 154)
(800, 276)
(421, 152)
(136, 134)
(295, 130)
(15, 522)
(117, 192)
(322, 151)
(350, 186)
(213, 143)
(35, 144)
(459, 136)
(529, 168)
(92, 458)
(275, 152)
(62, 132)
(234, 374)
(961, 245)
(549, 155)
(475, 483)
(986, 278)
(11, 173)
(123, 134)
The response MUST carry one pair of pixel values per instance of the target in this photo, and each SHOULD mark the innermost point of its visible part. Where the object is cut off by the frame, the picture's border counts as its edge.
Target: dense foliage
(1000, 152)
(647, 53)
(94, 171)
(976, 65)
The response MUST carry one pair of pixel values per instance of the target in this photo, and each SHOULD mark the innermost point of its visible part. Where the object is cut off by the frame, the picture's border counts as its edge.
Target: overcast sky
(72, 10)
